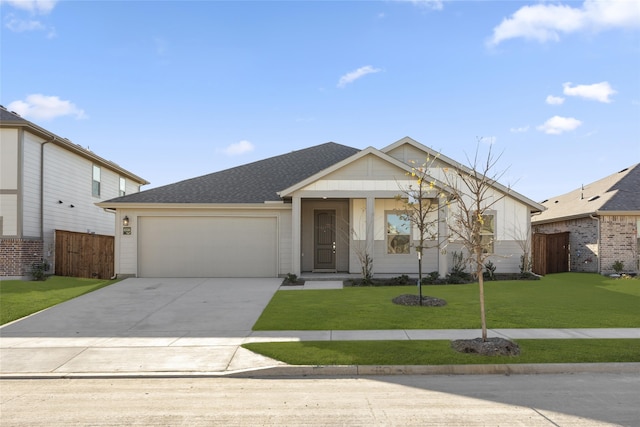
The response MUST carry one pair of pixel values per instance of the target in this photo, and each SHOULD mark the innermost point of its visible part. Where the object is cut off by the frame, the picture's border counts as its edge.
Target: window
(487, 233)
(95, 189)
(123, 187)
(398, 234)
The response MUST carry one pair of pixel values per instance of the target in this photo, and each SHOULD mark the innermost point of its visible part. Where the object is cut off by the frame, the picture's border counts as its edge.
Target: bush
(38, 270)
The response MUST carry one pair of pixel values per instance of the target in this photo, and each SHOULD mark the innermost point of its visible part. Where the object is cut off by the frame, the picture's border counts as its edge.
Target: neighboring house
(310, 210)
(47, 183)
(602, 220)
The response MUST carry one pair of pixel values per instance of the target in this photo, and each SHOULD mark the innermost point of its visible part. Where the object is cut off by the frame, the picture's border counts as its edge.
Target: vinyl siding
(31, 200)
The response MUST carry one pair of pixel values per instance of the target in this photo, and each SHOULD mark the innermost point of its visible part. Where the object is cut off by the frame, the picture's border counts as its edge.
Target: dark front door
(325, 240)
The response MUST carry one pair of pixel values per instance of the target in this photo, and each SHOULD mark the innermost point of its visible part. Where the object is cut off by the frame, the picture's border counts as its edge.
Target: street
(465, 400)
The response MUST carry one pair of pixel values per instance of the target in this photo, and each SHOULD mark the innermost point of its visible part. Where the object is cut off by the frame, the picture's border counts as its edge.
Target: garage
(212, 246)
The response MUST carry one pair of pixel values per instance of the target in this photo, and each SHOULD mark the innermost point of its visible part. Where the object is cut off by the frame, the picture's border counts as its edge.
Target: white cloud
(597, 91)
(19, 25)
(428, 4)
(38, 106)
(557, 125)
(41, 7)
(554, 100)
(521, 129)
(239, 148)
(544, 22)
(355, 75)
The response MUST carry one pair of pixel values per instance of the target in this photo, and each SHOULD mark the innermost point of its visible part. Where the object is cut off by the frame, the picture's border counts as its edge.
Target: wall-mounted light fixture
(125, 221)
(71, 206)
(60, 202)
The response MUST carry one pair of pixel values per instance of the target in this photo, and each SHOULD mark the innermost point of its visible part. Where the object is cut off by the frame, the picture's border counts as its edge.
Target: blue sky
(173, 90)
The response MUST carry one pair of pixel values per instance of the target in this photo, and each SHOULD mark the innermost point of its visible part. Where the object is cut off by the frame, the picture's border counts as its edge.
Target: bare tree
(420, 200)
(473, 195)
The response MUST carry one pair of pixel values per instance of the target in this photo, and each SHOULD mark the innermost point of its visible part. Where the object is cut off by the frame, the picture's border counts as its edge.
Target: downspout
(597, 219)
(42, 191)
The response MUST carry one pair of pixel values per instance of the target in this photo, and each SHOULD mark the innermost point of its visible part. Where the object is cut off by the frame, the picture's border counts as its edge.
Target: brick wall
(583, 242)
(619, 243)
(17, 255)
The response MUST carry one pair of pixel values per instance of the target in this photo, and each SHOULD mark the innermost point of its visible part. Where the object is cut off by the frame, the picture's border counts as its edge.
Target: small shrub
(618, 266)
(490, 271)
(38, 270)
(402, 280)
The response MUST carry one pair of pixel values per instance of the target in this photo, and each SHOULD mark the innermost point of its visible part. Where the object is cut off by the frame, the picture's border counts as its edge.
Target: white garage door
(207, 247)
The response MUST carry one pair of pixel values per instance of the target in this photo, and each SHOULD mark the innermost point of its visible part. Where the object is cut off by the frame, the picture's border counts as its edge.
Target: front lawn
(20, 298)
(440, 352)
(566, 300)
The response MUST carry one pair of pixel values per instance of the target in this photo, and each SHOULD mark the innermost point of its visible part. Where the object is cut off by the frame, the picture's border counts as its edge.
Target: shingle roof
(255, 182)
(618, 192)
(8, 116)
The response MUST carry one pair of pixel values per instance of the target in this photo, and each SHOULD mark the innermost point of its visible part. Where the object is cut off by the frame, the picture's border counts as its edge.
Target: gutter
(53, 139)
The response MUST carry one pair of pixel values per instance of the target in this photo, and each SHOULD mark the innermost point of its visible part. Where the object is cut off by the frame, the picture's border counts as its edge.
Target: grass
(566, 300)
(441, 353)
(20, 298)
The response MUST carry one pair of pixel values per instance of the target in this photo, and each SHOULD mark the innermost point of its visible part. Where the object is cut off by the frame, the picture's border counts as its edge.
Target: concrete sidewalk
(36, 357)
(166, 327)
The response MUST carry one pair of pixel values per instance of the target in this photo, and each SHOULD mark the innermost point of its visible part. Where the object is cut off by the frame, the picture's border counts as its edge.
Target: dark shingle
(255, 182)
(627, 196)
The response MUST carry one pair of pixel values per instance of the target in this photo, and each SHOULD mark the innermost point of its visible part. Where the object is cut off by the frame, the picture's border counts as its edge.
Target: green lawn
(440, 352)
(567, 300)
(20, 298)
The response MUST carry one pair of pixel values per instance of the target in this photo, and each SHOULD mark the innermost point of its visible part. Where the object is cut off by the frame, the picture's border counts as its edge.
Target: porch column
(443, 237)
(296, 224)
(370, 244)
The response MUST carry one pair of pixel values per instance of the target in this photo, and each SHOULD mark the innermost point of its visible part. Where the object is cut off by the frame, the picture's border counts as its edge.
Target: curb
(358, 370)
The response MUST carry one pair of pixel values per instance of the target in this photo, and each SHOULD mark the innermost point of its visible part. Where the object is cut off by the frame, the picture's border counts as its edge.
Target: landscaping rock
(409, 299)
(490, 347)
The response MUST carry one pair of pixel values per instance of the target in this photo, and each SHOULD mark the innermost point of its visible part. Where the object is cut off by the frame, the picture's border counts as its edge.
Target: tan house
(311, 210)
(48, 183)
(602, 220)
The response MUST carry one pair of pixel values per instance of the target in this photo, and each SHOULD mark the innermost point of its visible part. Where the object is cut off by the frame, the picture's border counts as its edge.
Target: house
(602, 220)
(48, 183)
(311, 210)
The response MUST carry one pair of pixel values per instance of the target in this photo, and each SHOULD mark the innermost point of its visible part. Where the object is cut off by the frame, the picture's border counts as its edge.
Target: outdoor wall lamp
(125, 221)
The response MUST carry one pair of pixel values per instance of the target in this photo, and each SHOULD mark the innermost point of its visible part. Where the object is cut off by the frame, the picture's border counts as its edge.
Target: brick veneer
(618, 242)
(17, 255)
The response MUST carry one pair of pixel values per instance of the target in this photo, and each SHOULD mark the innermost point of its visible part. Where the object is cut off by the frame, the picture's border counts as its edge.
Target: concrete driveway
(142, 325)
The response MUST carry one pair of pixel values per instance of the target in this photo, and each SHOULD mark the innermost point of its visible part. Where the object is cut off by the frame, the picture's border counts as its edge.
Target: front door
(325, 240)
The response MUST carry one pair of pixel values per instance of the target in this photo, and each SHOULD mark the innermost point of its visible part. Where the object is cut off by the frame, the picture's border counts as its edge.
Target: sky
(172, 90)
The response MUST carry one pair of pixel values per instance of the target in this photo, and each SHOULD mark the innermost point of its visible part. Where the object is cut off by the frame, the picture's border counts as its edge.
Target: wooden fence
(84, 255)
(550, 253)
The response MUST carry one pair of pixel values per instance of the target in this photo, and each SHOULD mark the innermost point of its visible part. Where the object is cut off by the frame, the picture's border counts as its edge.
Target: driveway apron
(141, 325)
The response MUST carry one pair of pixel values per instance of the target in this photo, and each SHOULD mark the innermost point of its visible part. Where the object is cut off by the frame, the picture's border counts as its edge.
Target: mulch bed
(490, 347)
(413, 300)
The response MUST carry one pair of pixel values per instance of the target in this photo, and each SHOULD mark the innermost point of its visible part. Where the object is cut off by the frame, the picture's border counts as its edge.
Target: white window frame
(492, 234)
(123, 187)
(95, 181)
(393, 236)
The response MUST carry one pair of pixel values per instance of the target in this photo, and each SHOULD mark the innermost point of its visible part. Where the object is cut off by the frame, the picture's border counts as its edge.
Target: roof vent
(624, 170)
(544, 201)
(556, 201)
(593, 198)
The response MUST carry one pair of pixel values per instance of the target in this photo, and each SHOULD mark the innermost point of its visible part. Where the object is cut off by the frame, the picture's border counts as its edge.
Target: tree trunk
(483, 319)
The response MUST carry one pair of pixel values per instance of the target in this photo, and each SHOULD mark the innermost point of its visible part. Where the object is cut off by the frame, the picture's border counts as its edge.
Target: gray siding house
(48, 183)
(310, 210)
